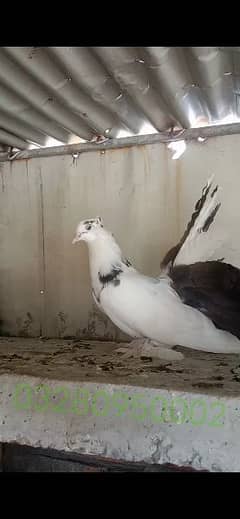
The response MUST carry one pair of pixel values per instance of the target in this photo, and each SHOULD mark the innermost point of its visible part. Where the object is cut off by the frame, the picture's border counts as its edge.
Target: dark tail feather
(169, 258)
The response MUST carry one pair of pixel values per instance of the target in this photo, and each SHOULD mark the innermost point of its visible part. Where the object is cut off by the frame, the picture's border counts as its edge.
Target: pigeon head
(88, 230)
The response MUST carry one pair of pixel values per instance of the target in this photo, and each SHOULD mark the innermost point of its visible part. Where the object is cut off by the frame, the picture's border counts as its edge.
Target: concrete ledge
(82, 398)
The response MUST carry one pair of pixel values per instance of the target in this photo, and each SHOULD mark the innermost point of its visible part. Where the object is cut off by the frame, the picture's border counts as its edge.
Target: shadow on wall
(23, 327)
(99, 328)
(4, 327)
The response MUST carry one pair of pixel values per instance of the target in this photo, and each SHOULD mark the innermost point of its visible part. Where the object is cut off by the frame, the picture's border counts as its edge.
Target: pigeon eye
(88, 227)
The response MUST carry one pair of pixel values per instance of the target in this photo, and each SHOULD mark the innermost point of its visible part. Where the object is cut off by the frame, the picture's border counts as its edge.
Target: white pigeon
(194, 305)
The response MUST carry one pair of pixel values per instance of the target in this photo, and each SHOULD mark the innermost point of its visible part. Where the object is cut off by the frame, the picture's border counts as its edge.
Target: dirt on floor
(97, 361)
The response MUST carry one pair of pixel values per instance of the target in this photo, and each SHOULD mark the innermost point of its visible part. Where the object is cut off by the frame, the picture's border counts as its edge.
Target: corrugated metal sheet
(74, 93)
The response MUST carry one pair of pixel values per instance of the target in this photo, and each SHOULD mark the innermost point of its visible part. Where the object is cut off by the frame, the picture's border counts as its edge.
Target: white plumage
(159, 313)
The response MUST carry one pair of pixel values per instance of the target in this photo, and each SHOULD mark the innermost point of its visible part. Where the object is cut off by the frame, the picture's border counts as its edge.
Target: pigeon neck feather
(104, 253)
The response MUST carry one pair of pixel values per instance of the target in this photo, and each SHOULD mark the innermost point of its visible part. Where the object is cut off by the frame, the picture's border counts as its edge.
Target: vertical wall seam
(43, 277)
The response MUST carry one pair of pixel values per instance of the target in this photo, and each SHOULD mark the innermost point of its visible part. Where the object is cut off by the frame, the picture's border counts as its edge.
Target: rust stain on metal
(2, 180)
(99, 326)
(62, 323)
(24, 325)
(146, 162)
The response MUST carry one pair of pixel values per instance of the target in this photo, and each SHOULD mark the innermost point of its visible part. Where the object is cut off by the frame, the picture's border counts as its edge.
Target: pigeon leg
(146, 348)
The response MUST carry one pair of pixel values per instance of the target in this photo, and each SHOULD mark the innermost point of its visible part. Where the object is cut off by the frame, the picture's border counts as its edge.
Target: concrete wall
(144, 197)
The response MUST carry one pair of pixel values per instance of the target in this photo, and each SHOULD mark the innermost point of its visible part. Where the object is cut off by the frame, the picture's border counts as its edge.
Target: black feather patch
(213, 288)
(111, 277)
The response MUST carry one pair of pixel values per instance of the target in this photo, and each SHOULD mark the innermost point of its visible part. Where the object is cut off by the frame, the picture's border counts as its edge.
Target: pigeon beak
(78, 238)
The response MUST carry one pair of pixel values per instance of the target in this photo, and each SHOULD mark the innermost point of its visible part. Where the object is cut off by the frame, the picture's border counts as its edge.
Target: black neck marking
(127, 262)
(111, 277)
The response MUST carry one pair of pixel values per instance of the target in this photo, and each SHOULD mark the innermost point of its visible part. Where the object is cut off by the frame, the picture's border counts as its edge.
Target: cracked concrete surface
(126, 420)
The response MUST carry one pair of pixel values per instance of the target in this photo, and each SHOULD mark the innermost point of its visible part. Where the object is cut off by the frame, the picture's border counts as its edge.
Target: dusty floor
(95, 361)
